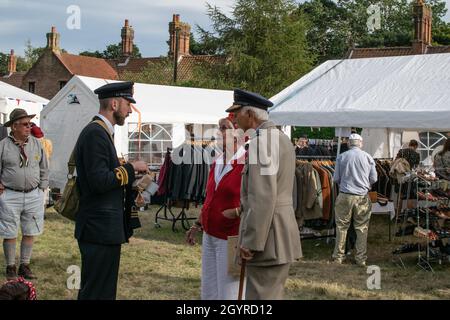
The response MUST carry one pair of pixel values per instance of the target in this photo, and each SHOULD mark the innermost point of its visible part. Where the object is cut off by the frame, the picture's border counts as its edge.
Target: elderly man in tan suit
(269, 238)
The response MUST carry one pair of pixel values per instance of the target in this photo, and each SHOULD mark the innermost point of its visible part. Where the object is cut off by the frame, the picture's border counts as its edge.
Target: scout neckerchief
(23, 155)
(31, 289)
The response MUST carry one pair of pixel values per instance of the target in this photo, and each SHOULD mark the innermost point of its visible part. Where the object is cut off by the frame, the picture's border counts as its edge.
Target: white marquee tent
(171, 107)
(12, 97)
(384, 94)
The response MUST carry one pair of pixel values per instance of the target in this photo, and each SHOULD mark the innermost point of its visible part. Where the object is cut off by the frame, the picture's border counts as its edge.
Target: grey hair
(355, 143)
(259, 114)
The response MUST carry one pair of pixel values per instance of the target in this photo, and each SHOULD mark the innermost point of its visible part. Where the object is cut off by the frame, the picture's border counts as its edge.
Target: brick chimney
(184, 34)
(12, 63)
(127, 39)
(53, 41)
(422, 27)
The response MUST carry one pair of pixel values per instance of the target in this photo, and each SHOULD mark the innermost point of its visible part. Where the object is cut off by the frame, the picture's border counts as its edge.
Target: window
(202, 131)
(62, 84)
(151, 144)
(32, 87)
(429, 141)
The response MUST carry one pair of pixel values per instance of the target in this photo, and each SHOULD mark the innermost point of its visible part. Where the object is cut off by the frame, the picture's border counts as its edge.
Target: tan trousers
(266, 283)
(359, 208)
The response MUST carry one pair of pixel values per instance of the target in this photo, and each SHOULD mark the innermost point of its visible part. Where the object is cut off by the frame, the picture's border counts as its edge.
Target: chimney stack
(184, 36)
(53, 40)
(12, 63)
(422, 27)
(127, 40)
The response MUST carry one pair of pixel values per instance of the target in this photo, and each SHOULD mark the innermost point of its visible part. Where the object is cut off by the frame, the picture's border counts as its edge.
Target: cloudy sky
(101, 21)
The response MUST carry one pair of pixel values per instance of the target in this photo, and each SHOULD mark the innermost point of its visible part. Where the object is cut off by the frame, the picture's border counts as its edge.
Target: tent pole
(339, 142)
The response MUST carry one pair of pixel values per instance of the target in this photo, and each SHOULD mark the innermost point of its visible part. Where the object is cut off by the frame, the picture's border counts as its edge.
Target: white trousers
(217, 284)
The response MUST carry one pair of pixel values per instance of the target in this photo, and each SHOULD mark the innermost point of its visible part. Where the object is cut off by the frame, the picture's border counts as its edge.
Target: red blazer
(226, 196)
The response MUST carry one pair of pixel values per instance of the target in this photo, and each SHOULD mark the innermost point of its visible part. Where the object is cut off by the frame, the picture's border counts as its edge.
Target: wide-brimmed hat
(18, 114)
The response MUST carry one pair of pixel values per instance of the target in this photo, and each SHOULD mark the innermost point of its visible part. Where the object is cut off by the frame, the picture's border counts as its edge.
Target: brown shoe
(11, 273)
(25, 271)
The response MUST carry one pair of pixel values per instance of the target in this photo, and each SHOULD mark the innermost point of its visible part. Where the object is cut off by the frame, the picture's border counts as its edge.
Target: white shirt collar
(108, 124)
(239, 153)
(221, 170)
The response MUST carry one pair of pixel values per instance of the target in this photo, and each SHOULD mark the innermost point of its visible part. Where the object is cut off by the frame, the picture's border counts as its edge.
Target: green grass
(157, 264)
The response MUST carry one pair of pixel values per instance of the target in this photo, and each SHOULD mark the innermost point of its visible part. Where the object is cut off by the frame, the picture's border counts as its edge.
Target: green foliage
(313, 133)
(160, 72)
(112, 51)
(441, 35)
(327, 28)
(3, 63)
(32, 54)
(265, 44)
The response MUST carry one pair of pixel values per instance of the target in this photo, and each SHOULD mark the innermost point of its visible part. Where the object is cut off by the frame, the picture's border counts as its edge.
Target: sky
(100, 22)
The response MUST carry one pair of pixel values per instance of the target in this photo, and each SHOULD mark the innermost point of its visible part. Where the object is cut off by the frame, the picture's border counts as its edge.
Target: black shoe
(406, 248)
(25, 271)
(11, 273)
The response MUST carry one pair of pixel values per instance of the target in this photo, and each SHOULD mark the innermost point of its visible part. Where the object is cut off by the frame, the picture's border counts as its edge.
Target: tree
(327, 28)
(3, 63)
(22, 63)
(396, 21)
(32, 54)
(112, 51)
(160, 72)
(265, 44)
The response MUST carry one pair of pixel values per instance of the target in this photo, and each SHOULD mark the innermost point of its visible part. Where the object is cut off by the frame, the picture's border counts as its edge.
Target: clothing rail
(316, 157)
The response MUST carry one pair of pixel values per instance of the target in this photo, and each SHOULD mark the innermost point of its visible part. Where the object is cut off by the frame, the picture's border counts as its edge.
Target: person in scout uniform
(269, 238)
(103, 223)
(23, 179)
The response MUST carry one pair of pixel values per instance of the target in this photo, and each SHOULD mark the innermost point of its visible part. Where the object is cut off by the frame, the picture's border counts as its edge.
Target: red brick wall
(47, 73)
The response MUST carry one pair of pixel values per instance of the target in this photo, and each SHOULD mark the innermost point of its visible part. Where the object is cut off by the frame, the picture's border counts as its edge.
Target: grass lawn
(157, 264)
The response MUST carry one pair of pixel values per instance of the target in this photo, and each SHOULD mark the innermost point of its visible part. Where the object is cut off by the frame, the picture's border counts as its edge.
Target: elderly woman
(219, 218)
(442, 162)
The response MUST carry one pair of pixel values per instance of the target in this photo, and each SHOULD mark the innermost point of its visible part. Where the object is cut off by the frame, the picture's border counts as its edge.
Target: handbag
(68, 204)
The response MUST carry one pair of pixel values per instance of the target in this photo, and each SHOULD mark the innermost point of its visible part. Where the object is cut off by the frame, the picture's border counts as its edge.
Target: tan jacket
(268, 226)
(308, 193)
(399, 168)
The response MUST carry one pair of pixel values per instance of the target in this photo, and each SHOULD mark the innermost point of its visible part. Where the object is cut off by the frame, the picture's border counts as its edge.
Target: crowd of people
(245, 198)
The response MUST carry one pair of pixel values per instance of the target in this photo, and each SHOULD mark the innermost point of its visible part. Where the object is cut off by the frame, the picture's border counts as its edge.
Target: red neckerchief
(23, 155)
(31, 291)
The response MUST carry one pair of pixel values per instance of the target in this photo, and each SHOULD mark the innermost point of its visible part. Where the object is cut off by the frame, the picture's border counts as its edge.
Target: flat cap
(244, 98)
(116, 90)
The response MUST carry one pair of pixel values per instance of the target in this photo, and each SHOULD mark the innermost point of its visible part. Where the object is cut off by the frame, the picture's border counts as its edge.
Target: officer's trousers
(99, 271)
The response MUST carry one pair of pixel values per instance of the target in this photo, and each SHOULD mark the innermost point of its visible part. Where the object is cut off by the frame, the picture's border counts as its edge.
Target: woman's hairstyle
(413, 143)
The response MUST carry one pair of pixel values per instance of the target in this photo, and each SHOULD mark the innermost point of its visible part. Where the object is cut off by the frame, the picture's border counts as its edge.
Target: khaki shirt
(28, 177)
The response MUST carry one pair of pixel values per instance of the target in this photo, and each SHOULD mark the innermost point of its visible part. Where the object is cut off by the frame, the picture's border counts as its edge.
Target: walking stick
(241, 280)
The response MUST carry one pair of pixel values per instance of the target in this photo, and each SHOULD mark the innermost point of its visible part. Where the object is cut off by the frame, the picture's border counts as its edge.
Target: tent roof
(393, 92)
(170, 104)
(11, 92)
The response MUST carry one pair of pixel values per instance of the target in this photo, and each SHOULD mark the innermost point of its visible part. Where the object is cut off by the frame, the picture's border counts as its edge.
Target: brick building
(55, 68)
